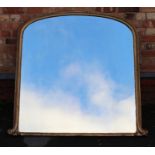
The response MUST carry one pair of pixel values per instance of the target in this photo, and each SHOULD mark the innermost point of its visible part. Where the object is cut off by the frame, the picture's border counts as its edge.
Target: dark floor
(148, 117)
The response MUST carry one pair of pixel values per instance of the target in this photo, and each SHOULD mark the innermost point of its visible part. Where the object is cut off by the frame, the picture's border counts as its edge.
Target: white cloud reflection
(58, 110)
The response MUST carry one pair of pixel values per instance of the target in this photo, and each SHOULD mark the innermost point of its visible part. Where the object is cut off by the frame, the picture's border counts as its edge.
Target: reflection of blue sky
(52, 43)
(64, 52)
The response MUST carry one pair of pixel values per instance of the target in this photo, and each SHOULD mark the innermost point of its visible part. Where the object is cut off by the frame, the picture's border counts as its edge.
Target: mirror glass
(77, 76)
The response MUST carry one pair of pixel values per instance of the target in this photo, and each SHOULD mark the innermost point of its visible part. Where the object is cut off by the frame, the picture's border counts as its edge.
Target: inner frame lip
(139, 130)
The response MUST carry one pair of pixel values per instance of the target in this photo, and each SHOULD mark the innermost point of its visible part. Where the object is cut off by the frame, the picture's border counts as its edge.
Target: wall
(11, 19)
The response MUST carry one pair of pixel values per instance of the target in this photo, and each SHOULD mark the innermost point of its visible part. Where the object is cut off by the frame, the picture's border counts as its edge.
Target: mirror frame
(139, 130)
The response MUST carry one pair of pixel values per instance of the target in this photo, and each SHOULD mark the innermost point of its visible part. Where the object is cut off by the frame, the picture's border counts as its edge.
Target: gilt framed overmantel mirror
(77, 74)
